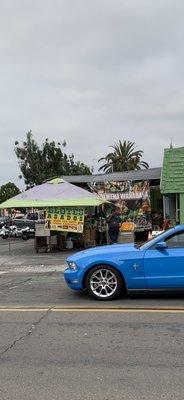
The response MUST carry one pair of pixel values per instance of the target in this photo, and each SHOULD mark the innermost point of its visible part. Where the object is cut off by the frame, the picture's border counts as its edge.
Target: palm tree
(123, 158)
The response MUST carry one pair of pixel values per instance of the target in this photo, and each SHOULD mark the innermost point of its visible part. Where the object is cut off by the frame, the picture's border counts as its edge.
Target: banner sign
(66, 219)
(126, 190)
(132, 199)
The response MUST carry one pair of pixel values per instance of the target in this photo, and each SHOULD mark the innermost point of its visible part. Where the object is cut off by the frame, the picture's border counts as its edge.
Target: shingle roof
(173, 171)
(143, 174)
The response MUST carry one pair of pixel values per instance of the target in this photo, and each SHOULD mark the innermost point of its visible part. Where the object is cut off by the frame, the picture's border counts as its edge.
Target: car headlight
(72, 265)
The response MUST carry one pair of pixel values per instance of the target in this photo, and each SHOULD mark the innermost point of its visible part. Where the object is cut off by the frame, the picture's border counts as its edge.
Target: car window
(17, 223)
(175, 241)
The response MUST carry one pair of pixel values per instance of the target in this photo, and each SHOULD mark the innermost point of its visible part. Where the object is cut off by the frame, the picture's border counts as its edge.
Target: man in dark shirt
(114, 221)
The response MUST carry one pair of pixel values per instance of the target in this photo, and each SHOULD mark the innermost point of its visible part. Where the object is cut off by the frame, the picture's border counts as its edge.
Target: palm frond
(124, 157)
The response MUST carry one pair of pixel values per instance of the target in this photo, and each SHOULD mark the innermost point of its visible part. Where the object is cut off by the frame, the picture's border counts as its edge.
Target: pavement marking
(13, 287)
(94, 310)
(39, 268)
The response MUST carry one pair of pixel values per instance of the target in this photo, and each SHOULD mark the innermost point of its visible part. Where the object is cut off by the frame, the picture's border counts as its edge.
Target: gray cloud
(92, 73)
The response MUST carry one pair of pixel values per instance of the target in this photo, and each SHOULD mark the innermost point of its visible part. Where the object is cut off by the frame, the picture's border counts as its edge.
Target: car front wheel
(104, 283)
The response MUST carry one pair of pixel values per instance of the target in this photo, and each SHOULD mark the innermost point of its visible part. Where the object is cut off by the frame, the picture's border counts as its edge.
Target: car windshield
(153, 241)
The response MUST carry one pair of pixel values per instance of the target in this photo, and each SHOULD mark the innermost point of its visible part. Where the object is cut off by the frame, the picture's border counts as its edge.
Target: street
(58, 344)
(91, 161)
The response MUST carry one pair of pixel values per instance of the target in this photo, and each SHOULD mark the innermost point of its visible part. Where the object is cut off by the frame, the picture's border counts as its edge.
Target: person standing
(114, 221)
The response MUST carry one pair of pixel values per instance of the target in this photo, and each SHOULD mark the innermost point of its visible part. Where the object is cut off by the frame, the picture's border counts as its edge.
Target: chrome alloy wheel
(103, 283)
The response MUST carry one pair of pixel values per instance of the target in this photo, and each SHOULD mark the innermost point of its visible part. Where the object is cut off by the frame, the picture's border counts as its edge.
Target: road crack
(29, 333)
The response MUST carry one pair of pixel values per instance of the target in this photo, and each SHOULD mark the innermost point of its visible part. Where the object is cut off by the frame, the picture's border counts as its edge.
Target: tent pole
(9, 238)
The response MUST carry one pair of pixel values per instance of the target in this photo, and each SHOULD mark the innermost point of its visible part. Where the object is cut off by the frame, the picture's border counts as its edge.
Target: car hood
(114, 248)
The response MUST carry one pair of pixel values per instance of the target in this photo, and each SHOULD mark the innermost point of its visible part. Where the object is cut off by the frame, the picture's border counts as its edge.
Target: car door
(164, 269)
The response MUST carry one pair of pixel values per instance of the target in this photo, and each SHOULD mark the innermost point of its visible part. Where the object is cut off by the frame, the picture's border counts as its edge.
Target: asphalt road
(58, 344)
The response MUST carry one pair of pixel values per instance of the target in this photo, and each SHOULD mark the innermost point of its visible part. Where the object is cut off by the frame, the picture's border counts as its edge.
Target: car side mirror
(161, 246)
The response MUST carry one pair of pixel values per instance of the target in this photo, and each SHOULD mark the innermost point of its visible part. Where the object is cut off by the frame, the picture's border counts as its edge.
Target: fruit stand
(65, 207)
(133, 200)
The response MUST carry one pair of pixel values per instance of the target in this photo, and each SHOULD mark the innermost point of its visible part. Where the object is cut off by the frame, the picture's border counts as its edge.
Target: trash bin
(126, 237)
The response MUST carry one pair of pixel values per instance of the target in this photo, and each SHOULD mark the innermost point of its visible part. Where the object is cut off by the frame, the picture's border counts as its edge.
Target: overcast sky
(91, 72)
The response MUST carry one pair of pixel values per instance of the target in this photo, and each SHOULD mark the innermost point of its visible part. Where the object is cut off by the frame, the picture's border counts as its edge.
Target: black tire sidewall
(119, 288)
(24, 236)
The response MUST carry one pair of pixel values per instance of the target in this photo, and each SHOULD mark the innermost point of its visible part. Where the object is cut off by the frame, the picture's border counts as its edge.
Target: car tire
(4, 236)
(24, 237)
(104, 283)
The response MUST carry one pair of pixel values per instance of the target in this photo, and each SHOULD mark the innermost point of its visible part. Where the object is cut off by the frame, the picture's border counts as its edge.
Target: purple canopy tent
(54, 193)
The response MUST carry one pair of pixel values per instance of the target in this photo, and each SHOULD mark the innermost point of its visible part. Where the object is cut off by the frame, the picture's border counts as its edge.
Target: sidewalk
(23, 258)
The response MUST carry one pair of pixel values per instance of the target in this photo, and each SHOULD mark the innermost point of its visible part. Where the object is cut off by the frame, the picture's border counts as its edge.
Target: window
(176, 241)
(177, 207)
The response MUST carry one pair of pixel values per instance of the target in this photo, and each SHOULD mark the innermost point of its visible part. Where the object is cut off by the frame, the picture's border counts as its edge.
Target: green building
(172, 185)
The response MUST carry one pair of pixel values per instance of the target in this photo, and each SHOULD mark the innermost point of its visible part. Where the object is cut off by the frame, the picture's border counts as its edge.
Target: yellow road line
(9, 309)
(94, 310)
(87, 308)
(119, 310)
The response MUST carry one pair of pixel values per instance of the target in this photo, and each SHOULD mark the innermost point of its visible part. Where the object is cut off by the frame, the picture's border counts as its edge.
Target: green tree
(40, 163)
(124, 157)
(7, 191)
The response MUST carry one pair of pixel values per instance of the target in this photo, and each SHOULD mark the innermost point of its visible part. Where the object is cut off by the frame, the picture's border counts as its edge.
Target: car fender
(99, 263)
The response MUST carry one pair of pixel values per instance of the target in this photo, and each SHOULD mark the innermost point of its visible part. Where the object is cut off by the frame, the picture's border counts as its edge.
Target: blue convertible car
(108, 271)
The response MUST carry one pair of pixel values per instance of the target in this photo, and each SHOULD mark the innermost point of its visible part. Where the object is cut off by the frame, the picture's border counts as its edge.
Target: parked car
(108, 271)
(3, 221)
(34, 216)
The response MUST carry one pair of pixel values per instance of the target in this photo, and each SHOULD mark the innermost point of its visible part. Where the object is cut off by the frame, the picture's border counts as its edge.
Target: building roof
(143, 174)
(172, 180)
